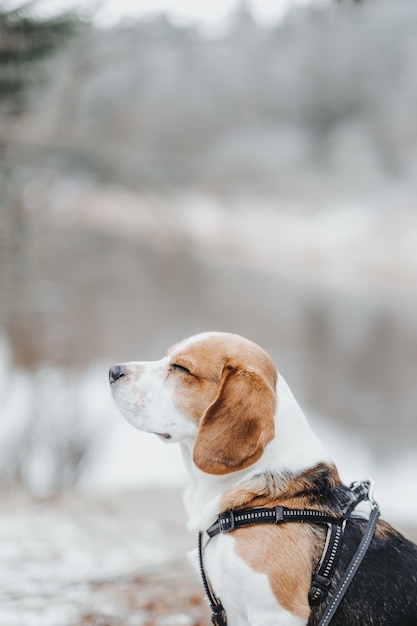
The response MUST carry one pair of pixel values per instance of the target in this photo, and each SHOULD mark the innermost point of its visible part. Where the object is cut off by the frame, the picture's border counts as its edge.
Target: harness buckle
(279, 514)
(371, 487)
(367, 486)
(226, 521)
(319, 588)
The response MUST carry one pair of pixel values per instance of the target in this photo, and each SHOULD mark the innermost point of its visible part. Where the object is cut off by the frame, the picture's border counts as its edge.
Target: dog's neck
(294, 448)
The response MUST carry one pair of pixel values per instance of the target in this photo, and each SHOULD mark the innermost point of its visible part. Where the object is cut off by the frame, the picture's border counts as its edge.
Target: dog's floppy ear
(237, 425)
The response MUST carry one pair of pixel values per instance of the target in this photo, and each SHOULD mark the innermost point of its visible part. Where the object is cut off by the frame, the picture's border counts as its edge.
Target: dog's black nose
(116, 372)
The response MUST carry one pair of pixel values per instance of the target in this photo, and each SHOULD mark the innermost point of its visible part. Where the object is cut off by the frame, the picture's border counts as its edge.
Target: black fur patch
(384, 590)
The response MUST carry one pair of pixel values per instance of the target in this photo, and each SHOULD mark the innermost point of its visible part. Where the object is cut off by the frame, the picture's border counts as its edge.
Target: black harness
(356, 493)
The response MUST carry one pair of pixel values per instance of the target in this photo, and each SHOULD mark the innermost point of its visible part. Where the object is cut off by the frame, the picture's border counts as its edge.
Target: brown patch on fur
(287, 553)
(230, 392)
(192, 394)
(305, 490)
(209, 359)
(238, 425)
(384, 530)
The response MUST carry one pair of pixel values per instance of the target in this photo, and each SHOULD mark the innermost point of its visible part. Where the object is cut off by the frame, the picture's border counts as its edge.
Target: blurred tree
(26, 40)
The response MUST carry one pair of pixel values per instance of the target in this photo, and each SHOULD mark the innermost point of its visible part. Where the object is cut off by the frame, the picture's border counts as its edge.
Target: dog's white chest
(245, 594)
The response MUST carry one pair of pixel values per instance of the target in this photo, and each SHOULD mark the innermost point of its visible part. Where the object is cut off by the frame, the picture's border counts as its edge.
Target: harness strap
(352, 567)
(229, 520)
(322, 577)
(218, 617)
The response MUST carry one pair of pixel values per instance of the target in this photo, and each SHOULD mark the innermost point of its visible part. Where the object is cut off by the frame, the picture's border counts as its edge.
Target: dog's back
(384, 590)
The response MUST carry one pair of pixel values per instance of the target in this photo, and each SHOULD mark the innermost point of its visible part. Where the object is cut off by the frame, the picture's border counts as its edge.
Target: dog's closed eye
(181, 368)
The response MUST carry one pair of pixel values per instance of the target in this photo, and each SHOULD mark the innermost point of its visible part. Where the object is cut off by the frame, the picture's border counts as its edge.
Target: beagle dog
(246, 443)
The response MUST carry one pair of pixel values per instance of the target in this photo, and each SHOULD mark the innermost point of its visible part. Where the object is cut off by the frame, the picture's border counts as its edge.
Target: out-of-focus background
(167, 169)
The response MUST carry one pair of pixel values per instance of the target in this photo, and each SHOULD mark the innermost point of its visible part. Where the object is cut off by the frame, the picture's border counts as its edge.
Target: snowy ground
(79, 559)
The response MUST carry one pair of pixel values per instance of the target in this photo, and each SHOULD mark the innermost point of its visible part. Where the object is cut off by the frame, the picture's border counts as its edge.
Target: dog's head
(213, 391)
